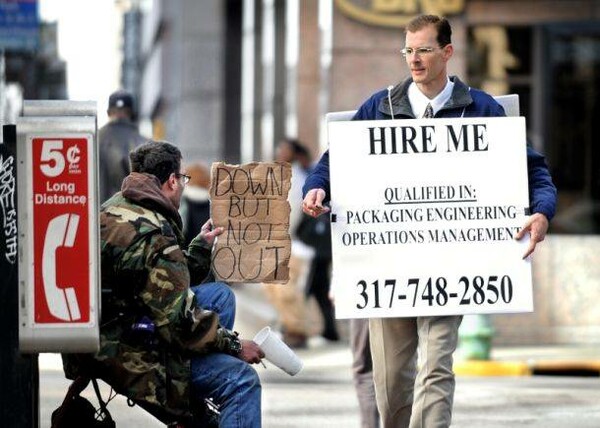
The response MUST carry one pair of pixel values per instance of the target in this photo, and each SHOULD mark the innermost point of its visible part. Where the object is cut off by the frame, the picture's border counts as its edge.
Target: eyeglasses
(418, 51)
(186, 178)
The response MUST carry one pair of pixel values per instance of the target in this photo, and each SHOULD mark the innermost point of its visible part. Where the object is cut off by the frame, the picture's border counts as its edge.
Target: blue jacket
(464, 102)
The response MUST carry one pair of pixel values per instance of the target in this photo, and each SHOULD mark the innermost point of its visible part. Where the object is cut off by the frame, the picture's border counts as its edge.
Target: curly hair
(158, 158)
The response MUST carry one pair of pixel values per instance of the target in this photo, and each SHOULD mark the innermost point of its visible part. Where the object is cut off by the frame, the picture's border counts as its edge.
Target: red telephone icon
(62, 302)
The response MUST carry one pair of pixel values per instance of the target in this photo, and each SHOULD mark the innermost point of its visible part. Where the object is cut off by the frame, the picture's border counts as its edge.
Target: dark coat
(464, 102)
(115, 140)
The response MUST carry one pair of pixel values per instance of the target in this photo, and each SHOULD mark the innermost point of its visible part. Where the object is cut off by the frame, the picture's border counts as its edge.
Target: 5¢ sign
(62, 229)
(52, 158)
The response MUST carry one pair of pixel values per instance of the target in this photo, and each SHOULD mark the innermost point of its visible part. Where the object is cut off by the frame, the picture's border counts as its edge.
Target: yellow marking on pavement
(491, 368)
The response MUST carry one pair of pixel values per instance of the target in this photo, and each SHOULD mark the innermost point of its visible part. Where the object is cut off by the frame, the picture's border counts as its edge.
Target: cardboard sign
(425, 216)
(60, 210)
(250, 202)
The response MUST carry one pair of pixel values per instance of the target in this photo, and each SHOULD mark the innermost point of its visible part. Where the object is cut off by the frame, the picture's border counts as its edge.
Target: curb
(520, 368)
(567, 368)
(491, 368)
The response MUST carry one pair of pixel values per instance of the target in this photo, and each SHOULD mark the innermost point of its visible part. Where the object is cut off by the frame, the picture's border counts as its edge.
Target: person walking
(422, 397)
(115, 140)
(316, 233)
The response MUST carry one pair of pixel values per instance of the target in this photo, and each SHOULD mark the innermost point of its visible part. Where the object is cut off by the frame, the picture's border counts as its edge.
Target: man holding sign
(165, 342)
(429, 93)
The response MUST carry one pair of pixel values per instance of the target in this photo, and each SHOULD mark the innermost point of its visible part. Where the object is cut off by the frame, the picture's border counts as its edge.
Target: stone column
(308, 73)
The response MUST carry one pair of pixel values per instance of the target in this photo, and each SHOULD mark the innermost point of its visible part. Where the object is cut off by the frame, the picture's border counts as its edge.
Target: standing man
(116, 139)
(406, 398)
(195, 202)
(164, 345)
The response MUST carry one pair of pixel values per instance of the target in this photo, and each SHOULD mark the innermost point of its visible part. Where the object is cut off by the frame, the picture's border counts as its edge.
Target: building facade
(547, 52)
(227, 79)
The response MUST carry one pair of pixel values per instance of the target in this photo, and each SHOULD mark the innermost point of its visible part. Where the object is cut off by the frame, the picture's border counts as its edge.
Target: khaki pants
(402, 402)
(288, 299)
(362, 372)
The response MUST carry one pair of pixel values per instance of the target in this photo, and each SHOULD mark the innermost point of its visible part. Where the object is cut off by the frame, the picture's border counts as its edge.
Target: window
(563, 79)
(572, 91)
(500, 61)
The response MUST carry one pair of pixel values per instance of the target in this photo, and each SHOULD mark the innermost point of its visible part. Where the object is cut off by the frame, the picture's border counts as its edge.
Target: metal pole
(19, 374)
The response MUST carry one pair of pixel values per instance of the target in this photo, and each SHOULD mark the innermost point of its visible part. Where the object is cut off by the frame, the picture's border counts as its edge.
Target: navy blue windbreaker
(464, 102)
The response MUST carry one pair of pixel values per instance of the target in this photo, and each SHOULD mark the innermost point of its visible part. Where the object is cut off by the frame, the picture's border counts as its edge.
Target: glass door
(571, 86)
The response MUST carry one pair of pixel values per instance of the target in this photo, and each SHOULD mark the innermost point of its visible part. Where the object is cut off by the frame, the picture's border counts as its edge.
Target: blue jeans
(232, 383)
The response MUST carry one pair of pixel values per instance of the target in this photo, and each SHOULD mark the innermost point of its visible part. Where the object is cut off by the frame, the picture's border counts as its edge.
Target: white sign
(425, 217)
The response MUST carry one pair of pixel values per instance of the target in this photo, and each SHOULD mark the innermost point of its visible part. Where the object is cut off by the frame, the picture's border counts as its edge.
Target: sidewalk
(499, 393)
(254, 312)
(323, 394)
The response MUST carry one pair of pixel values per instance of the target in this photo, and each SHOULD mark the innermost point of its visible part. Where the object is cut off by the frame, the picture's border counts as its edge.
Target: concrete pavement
(323, 394)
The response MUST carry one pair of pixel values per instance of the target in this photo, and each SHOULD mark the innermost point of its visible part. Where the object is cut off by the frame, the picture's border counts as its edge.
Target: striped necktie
(428, 112)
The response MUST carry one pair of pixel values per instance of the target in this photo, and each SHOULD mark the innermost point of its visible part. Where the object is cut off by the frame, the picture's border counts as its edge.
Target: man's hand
(251, 352)
(537, 226)
(208, 234)
(313, 203)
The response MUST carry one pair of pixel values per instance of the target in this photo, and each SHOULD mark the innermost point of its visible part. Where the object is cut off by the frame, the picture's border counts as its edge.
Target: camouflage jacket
(146, 276)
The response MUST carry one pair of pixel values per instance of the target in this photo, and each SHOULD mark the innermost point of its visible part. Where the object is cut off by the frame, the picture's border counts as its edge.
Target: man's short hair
(298, 148)
(444, 31)
(158, 158)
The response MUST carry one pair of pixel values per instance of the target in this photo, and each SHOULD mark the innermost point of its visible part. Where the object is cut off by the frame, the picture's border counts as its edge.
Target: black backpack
(76, 411)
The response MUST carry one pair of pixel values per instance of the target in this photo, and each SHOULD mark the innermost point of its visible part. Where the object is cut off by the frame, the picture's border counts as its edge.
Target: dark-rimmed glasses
(186, 178)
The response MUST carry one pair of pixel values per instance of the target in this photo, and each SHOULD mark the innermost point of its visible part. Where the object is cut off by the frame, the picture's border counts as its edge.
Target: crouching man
(164, 345)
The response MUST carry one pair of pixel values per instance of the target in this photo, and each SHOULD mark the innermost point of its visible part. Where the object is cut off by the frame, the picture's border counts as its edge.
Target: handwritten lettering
(250, 203)
(241, 182)
(246, 207)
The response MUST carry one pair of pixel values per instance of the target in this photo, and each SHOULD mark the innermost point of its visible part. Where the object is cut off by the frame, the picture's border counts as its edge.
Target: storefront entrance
(572, 117)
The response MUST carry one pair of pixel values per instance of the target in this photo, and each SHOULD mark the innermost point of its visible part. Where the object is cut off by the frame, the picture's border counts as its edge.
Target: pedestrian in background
(407, 395)
(115, 140)
(316, 233)
(288, 299)
(195, 203)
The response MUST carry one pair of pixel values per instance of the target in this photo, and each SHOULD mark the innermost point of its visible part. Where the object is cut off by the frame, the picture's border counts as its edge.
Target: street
(322, 394)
